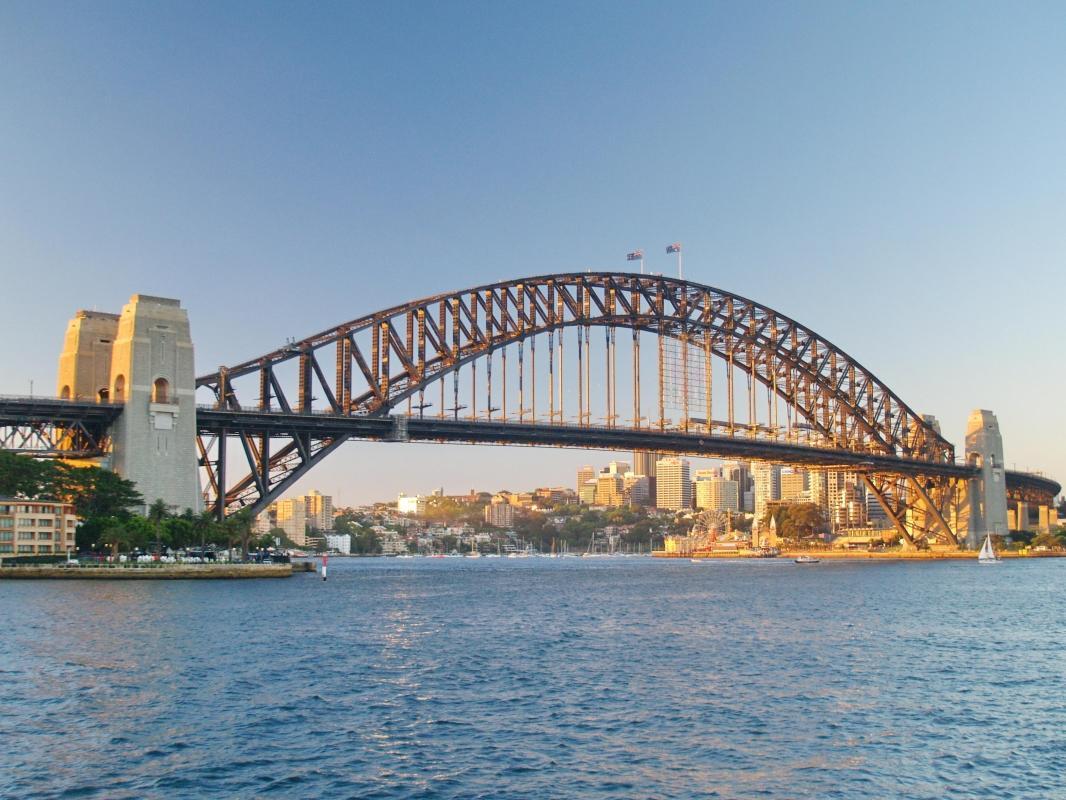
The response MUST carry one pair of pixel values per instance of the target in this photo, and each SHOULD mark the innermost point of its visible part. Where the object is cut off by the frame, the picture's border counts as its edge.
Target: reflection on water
(537, 678)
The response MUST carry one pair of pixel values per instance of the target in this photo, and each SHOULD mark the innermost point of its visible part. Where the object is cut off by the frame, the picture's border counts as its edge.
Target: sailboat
(987, 554)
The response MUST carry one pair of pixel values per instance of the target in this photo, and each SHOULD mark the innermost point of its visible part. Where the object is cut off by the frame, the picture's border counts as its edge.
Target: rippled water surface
(542, 678)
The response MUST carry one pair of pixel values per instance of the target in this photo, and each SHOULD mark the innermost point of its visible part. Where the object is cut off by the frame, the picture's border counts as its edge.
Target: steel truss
(385, 361)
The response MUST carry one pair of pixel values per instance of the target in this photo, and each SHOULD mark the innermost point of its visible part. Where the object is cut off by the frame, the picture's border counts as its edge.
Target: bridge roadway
(212, 421)
(22, 416)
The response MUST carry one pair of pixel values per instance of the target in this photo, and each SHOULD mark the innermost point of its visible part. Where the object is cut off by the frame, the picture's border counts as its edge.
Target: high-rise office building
(717, 494)
(794, 486)
(318, 510)
(738, 471)
(818, 488)
(767, 487)
(609, 489)
(584, 475)
(291, 517)
(673, 486)
(644, 462)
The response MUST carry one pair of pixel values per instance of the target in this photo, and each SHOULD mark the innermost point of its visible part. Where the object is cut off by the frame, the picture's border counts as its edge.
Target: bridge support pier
(988, 490)
(154, 439)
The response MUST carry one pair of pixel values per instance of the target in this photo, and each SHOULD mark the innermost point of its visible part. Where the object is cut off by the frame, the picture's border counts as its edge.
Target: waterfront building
(584, 475)
(411, 504)
(291, 516)
(499, 513)
(392, 543)
(717, 494)
(767, 487)
(36, 527)
(339, 542)
(673, 486)
(587, 492)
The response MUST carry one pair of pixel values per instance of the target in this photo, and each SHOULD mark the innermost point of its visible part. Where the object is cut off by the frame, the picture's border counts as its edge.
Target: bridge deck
(429, 429)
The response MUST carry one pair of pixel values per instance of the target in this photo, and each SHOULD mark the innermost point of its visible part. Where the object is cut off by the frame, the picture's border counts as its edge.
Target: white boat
(806, 560)
(987, 554)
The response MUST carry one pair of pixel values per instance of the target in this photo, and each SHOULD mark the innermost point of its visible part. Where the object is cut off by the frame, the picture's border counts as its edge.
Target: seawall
(149, 572)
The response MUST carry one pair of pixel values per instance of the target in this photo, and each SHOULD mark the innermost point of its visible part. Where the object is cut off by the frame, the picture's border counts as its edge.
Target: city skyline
(936, 265)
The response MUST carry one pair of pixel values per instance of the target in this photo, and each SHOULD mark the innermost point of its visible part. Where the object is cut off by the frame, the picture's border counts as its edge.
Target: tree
(795, 520)
(101, 493)
(239, 529)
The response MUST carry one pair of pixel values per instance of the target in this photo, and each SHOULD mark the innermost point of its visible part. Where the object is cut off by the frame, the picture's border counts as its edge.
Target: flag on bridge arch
(674, 248)
(636, 255)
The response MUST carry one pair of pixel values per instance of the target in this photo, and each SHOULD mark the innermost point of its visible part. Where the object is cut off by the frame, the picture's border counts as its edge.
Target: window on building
(7, 548)
(6, 536)
(161, 391)
(25, 548)
(120, 389)
(64, 393)
(26, 536)
(45, 535)
(7, 522)
(26, 522)
(44, 548)
(44, 522)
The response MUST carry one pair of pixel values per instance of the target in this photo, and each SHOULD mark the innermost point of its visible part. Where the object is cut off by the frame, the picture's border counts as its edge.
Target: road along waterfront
(571, 677)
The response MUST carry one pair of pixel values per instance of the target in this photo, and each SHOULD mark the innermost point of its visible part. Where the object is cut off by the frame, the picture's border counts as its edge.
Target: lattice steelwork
(551, 351)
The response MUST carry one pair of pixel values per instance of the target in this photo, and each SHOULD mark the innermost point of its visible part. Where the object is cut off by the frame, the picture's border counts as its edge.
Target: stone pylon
(988, 491)
(152, 374)
(85, 363)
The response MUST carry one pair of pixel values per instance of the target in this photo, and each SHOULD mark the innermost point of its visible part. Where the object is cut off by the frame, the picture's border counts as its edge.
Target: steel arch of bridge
(385, 359)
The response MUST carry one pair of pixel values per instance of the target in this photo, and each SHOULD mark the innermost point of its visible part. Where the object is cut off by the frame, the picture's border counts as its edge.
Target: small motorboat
(806, 560)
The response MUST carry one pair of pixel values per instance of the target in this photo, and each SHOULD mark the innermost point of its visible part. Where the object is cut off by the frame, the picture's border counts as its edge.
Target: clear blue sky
(893, 175)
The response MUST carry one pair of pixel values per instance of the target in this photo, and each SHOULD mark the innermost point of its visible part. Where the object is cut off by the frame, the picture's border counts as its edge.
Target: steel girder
(385, 358)
(47, 427)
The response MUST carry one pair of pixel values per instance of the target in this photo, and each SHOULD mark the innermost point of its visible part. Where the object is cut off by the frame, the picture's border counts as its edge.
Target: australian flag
(674, 248)
(636, 255)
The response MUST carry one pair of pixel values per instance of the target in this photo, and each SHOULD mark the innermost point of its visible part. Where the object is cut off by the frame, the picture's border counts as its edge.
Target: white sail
(987, 553)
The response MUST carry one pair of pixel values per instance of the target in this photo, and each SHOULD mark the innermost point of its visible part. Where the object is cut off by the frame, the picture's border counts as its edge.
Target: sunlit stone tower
(154, 439)
(988, 491)
(85, 363)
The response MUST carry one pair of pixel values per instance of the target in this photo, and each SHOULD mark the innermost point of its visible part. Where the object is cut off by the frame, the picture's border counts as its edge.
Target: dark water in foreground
(542, 678)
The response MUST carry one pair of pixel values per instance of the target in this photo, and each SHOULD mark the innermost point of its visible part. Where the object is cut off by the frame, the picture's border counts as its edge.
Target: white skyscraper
(673, 486)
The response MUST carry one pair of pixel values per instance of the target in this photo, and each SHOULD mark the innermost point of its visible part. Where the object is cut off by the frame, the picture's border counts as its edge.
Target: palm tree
(239, 529)
(158, 512)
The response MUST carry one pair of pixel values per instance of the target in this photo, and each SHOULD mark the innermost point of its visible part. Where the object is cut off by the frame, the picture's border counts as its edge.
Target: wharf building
(36, 527)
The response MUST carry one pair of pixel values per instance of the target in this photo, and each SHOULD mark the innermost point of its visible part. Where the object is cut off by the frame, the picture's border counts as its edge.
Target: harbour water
(614, 677)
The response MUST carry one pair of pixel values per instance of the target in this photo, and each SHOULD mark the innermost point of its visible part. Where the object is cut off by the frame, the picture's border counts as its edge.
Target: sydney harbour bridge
(603, 360)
